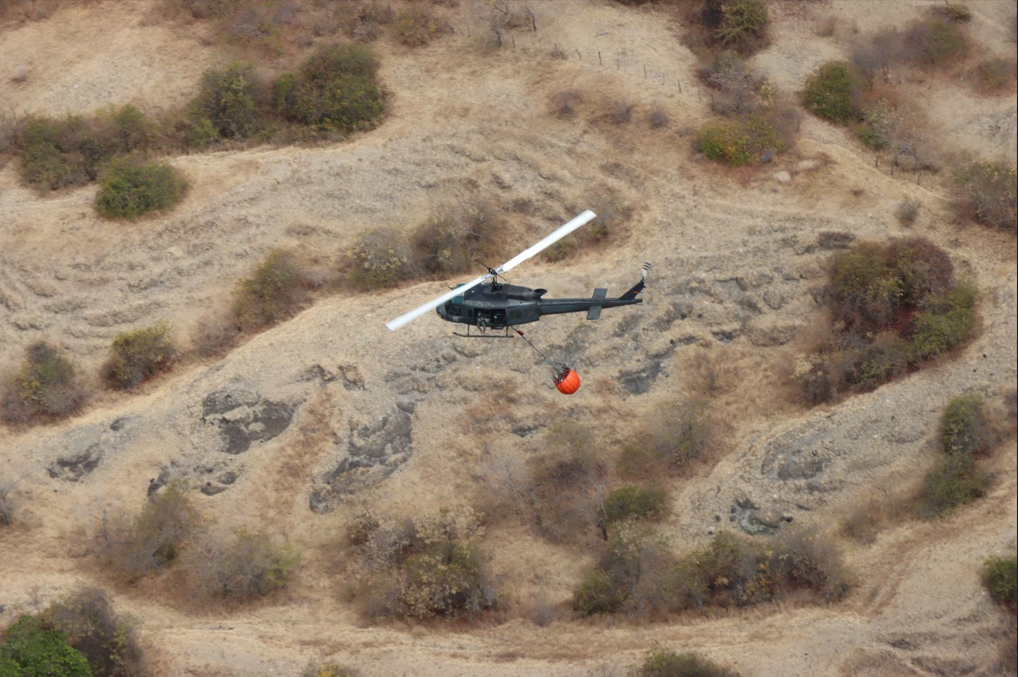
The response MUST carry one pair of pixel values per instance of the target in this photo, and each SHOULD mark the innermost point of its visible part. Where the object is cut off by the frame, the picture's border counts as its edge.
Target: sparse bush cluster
(454, 240)
(996, 75)
(759, 124)
(226, 107)
(1000, 575)
(637, 575)
(422, 568)
(72, 151)
(46, 386)
(894, 306)
(965, 434)
(987, 192)
(661, 663)
(6, 504)
(832, 93)
(169, 531)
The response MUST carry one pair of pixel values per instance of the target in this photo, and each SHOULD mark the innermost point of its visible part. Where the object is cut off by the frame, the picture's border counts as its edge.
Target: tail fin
(632, 293)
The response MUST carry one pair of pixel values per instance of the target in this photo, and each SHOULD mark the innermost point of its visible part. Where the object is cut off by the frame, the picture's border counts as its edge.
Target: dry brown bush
(659, 118)
(678, 435)
(46, 386)
(620, 112)
(710, 373)
(214, 335)
(380, 258)
(458, 238)
(995, 76)
(275, 291)
(92, 626)
(874, 57)
(737, 86)
(864, 521)
(238, 567)
(423, 568)
(986, 192)
(1011, 401)
(416, 26)
(564, 103)
(134, 547)
(908, 211)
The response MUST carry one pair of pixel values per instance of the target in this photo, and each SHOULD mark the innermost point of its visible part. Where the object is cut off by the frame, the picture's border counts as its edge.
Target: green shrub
(632, 502)
(964, 428)
(131, 188)
(46, 386)
(832, 93)
(884, 360)
(987, 192)
(415, 27)
(661, 663)
(6, 504)
(93, 628)
(952, 484)
(32, 650)
(227, 101)
(273, 292)
(248, 566)
(741, 22)
(741, 142)
(133, 548)
(597, 595)
(380, 259)
(1000, 575)
(138, 355)
(335, 89)
(944, 323)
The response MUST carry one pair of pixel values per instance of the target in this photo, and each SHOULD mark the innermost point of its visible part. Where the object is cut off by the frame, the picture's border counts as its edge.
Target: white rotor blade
(403, 320)
(581, 220)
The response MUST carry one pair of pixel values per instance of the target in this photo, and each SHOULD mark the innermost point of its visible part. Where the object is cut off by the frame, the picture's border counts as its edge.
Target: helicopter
(489, 304)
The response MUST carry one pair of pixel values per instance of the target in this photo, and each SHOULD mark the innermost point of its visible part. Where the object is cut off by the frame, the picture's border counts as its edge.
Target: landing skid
(483, 334)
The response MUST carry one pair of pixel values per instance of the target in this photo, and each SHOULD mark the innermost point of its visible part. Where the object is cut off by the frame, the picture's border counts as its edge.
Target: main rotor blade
(406, 319)
(580, 221)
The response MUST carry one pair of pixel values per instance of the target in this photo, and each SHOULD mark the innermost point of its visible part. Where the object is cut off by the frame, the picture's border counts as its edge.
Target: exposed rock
(74, 468)
(317, 372)
(243, 418)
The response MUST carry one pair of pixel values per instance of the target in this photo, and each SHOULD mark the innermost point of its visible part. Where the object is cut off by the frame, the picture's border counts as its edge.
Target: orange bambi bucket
(568, 382)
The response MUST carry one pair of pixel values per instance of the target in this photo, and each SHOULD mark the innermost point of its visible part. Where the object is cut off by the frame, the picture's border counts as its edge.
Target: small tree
(92, 627)
(1000, 575)
(227, 103)
(131, 188)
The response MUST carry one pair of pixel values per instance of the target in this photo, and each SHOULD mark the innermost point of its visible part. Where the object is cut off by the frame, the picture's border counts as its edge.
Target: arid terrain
(266, 434)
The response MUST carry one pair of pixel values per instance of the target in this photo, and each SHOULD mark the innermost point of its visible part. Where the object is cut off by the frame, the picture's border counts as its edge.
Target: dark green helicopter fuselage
(497, 306)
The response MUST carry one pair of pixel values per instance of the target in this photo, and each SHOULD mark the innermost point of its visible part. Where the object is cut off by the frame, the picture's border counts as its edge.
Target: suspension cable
(538, 351)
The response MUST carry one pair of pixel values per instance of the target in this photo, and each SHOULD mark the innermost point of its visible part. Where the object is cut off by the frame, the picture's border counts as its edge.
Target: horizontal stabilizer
(594, 312)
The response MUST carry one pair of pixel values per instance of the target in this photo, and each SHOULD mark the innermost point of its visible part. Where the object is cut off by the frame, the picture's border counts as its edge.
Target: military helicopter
(488, 304)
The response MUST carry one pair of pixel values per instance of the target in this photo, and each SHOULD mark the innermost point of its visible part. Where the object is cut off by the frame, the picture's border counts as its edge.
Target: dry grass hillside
(298, 430)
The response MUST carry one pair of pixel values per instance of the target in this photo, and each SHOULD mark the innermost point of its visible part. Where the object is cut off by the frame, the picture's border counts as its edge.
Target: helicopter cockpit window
(454, 308)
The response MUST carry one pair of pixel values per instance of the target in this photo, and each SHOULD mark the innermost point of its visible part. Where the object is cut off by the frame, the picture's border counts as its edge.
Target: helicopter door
(491, 318)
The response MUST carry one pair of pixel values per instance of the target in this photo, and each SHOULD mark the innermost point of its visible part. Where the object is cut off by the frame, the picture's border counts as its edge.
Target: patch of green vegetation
(832, 93)
(335, 90)
(742, 22)
(633, 502)
(227, 106)
(32, 650)
(895, 307)
(1000, 575)
(741, 142)
(952, 484)
(131, 188)
(964, 427)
